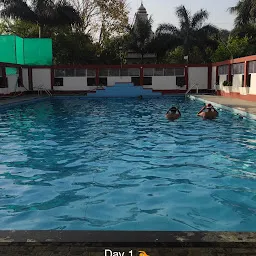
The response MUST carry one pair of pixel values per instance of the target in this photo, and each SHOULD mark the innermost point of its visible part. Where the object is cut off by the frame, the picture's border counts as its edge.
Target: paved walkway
(12, 99)
(241, 105)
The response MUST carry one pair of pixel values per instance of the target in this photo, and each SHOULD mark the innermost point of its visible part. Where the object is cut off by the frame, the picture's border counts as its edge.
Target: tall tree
(192, 31)
(245, 11)
(140, 37)
(42, 12)
(102, 18)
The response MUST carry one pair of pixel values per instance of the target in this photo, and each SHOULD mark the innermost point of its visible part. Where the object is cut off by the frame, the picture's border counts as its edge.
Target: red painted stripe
(30, 79)
(52, 78)
(186, 77)
(209, 77)
(5, 80)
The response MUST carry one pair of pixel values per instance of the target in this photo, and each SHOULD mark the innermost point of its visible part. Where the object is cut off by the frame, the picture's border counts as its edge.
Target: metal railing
(193, 86)
(41, 89)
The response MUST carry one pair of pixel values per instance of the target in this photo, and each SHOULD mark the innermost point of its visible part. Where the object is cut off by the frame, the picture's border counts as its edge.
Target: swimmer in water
(208, 112)
(172, 114)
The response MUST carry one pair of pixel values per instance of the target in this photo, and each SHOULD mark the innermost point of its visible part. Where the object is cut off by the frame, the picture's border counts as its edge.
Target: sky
(163, 11)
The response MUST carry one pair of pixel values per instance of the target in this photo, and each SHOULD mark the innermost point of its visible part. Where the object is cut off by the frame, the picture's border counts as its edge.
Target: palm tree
(140, 37)
(245, 11)
(42, 12)
(192, 31)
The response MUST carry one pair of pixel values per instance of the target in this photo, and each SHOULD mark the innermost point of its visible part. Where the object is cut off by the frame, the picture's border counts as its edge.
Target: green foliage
(42, 12)
(114, 50)
(196, 38)
(140, 37)
(227, 83)
(74, 48)
(235, 47)
(177, 55)
(245, 11)
(19, 28)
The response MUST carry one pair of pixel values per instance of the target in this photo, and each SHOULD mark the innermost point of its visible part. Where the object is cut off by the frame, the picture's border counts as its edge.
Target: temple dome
(142, 9)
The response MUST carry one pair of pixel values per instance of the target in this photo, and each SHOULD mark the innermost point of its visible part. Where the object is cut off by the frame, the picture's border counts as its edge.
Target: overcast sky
(163, 11)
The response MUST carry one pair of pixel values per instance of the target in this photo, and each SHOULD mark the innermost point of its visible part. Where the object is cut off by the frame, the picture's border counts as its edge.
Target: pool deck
(244, 106)
(19, 99)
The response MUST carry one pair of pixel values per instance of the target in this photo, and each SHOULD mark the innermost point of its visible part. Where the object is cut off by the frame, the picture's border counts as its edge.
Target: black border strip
(131, 238)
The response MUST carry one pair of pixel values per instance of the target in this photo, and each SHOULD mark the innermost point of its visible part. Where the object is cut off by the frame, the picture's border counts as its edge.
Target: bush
(227, 83)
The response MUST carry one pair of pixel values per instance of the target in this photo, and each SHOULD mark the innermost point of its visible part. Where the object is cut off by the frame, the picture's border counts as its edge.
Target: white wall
(111, 80)
(74, 84)
(198, 75)
(12, 83)
(222, 79)
(213, 76)
(41, 77)
(237, 82)
(165, 83)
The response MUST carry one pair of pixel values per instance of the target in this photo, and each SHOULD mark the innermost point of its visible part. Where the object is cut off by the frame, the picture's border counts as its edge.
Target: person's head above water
(173, 109)
(209, 107)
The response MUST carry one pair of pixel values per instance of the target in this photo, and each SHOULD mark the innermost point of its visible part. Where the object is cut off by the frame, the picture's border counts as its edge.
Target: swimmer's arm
(215, 110)
(178, 112)
(202, 109)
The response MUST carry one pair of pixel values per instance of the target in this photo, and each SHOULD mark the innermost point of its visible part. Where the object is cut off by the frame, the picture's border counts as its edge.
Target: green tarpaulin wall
(26, 51)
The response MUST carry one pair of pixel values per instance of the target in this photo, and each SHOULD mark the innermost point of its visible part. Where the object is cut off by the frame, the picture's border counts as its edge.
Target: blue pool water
(118, 164)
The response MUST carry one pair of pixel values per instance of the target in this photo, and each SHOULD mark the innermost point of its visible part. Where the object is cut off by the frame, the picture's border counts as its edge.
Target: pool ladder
(41, 89)
(195, 85)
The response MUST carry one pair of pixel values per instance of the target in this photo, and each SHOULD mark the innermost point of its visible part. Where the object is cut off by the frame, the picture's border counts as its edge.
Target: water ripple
(120, 165)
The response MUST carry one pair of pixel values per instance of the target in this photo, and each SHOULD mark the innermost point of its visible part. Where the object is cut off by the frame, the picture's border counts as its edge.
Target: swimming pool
(118, 164)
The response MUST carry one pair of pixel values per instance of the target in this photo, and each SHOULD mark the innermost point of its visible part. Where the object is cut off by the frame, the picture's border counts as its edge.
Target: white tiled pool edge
(217, 105)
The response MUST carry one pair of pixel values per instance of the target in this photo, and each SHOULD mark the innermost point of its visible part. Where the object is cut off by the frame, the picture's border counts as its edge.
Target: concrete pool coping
(244, 108)
(96, 243)
(131, 238)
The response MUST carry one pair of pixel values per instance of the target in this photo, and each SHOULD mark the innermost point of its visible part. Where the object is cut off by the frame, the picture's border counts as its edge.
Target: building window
(147, 80)
(252, 67)
(158, 72)
(134, 72)
(58, 81)
(179, 71)
(249, 80)
(148, 71)
(103, 72)
(80, 72)
(180, 81)
(223, 70)
(136, 80)
(103, 81)
(59, 72)
(124, 72)
(237, 68)
(114, 72)
(3, 84)
(69, 72)
(169, 72)
(218, 80)
(91, 72)
(91, 81)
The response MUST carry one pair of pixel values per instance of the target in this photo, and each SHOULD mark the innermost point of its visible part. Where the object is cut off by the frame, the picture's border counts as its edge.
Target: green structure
(26, 51)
